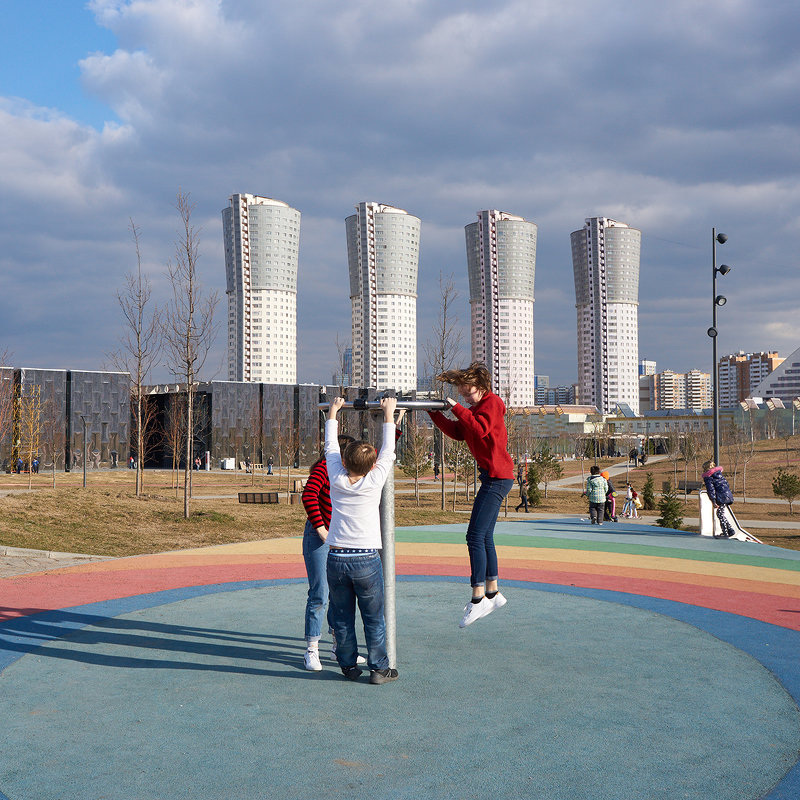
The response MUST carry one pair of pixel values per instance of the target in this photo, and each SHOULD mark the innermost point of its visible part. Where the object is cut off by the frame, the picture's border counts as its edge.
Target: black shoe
(351, 673)
(378, 676)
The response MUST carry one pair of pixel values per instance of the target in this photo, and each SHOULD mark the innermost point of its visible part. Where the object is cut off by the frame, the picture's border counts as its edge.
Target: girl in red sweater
(481, 424)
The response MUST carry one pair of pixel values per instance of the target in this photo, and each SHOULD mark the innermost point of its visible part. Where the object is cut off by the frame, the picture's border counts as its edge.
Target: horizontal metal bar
(409, 405)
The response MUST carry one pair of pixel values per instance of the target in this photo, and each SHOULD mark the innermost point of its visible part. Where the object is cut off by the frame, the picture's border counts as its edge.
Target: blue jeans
(480, 533)
(351, 578)
(315, 554)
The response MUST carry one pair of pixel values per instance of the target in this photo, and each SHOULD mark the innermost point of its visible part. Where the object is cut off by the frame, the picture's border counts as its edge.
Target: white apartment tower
(605, 262)
(501, 263)
(383, 260)
(261, 239)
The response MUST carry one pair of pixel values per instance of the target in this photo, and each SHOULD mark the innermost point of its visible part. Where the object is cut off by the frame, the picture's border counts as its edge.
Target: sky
(673, 117)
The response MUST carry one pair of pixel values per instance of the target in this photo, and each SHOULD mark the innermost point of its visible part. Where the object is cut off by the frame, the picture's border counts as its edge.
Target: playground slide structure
(710, 526)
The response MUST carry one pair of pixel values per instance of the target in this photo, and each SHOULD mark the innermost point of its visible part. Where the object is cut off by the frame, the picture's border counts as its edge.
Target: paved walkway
(629, 663)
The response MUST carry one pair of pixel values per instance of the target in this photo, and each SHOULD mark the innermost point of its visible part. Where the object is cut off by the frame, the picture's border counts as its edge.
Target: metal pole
(387, 556)
(715, 371)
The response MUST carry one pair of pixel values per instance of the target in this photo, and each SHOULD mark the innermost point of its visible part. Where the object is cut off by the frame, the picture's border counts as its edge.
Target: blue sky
(670, 117)
(41, 45)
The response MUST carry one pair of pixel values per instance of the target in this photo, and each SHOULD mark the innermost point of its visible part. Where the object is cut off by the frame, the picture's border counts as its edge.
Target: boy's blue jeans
(480, 533)
(351, 578)
(315, 554)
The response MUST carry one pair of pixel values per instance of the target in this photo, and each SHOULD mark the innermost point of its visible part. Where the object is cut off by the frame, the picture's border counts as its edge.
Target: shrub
(649, 493)
(670, 508)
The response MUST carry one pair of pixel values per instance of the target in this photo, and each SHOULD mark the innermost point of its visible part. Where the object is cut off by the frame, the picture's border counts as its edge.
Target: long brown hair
(476, 374)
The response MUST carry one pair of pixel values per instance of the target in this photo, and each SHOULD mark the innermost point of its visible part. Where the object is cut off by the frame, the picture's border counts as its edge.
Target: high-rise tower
(501, 263)
(383, 259)
(605, 262)
(261, 239)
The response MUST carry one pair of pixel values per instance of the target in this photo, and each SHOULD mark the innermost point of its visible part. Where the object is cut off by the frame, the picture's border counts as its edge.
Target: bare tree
(189, 328)
(458, 456)
(53, 435)
(29, 425)
(139, 349)
(672, 443)
(416, 447)
(734, 439)
(175, 435)
(286, 439)
(442, 349)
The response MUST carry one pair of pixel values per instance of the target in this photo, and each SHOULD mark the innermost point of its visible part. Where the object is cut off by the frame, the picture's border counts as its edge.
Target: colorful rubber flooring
(629, 663)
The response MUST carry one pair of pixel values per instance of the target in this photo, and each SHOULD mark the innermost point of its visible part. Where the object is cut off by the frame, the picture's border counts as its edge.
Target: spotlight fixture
(720, 299)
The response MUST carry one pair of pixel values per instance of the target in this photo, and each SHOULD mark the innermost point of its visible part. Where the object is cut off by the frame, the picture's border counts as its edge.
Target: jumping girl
(481, 424)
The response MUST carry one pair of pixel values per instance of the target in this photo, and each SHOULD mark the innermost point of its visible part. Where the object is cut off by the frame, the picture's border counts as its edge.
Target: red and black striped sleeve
(317, 497)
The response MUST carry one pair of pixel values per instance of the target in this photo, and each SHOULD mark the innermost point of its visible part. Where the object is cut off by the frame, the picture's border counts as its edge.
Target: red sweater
(483, 428)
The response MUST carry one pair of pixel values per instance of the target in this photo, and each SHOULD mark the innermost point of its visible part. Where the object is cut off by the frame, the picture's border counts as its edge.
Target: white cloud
(673, 118)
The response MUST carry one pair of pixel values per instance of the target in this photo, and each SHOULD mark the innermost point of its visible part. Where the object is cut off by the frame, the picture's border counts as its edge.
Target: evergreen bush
(670, 508)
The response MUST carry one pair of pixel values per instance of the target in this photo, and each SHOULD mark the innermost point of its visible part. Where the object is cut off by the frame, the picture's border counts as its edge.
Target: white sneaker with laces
(311, 660)
(498, 600)
(473, 611)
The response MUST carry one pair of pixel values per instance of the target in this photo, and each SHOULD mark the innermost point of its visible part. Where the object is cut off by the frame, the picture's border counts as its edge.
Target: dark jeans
(480, 533)
(315, 554)
(351, 578)
(727, 529)
(596, 512)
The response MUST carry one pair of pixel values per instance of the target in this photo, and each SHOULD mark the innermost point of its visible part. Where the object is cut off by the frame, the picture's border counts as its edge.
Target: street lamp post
(716, 300)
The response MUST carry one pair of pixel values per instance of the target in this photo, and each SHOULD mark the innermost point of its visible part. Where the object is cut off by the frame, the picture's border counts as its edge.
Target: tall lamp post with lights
(716, 300)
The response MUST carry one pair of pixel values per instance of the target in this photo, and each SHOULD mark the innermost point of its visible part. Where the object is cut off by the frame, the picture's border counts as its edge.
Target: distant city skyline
(109, 108)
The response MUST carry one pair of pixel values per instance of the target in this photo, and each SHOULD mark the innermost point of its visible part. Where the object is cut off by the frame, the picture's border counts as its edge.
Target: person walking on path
(720, 494)
(522, 480)
(355, 572)
(596, 490)
(481, 424)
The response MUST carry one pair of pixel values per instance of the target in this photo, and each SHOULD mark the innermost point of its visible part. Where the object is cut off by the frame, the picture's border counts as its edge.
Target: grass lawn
(107, 519)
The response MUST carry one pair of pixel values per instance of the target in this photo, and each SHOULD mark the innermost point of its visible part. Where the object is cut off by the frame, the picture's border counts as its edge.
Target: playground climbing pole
(387, 517)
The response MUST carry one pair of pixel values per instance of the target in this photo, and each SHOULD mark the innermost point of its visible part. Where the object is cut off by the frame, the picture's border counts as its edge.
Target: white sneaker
(498, 600)
(360, 660)
(311, 660)
(473, 611)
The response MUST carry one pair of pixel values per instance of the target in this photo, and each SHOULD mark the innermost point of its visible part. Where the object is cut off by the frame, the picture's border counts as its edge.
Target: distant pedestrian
(436, 470)
(523, 492)
(720, 494)
(596, 490)
(35, 466)
(270, 462)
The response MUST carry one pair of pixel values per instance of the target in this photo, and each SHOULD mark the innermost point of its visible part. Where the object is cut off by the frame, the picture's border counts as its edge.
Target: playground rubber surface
(630, 662)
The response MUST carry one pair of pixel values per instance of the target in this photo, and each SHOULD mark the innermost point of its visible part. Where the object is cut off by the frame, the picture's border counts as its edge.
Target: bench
(258, 497)
(685, 486)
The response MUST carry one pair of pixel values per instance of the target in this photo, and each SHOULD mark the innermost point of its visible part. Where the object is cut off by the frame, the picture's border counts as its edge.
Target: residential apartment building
(740, 373)
(675, 390)
(647, 367)
(383, 261)
(261, 238)
(501, 265)
(605, 261)
(555, 395)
